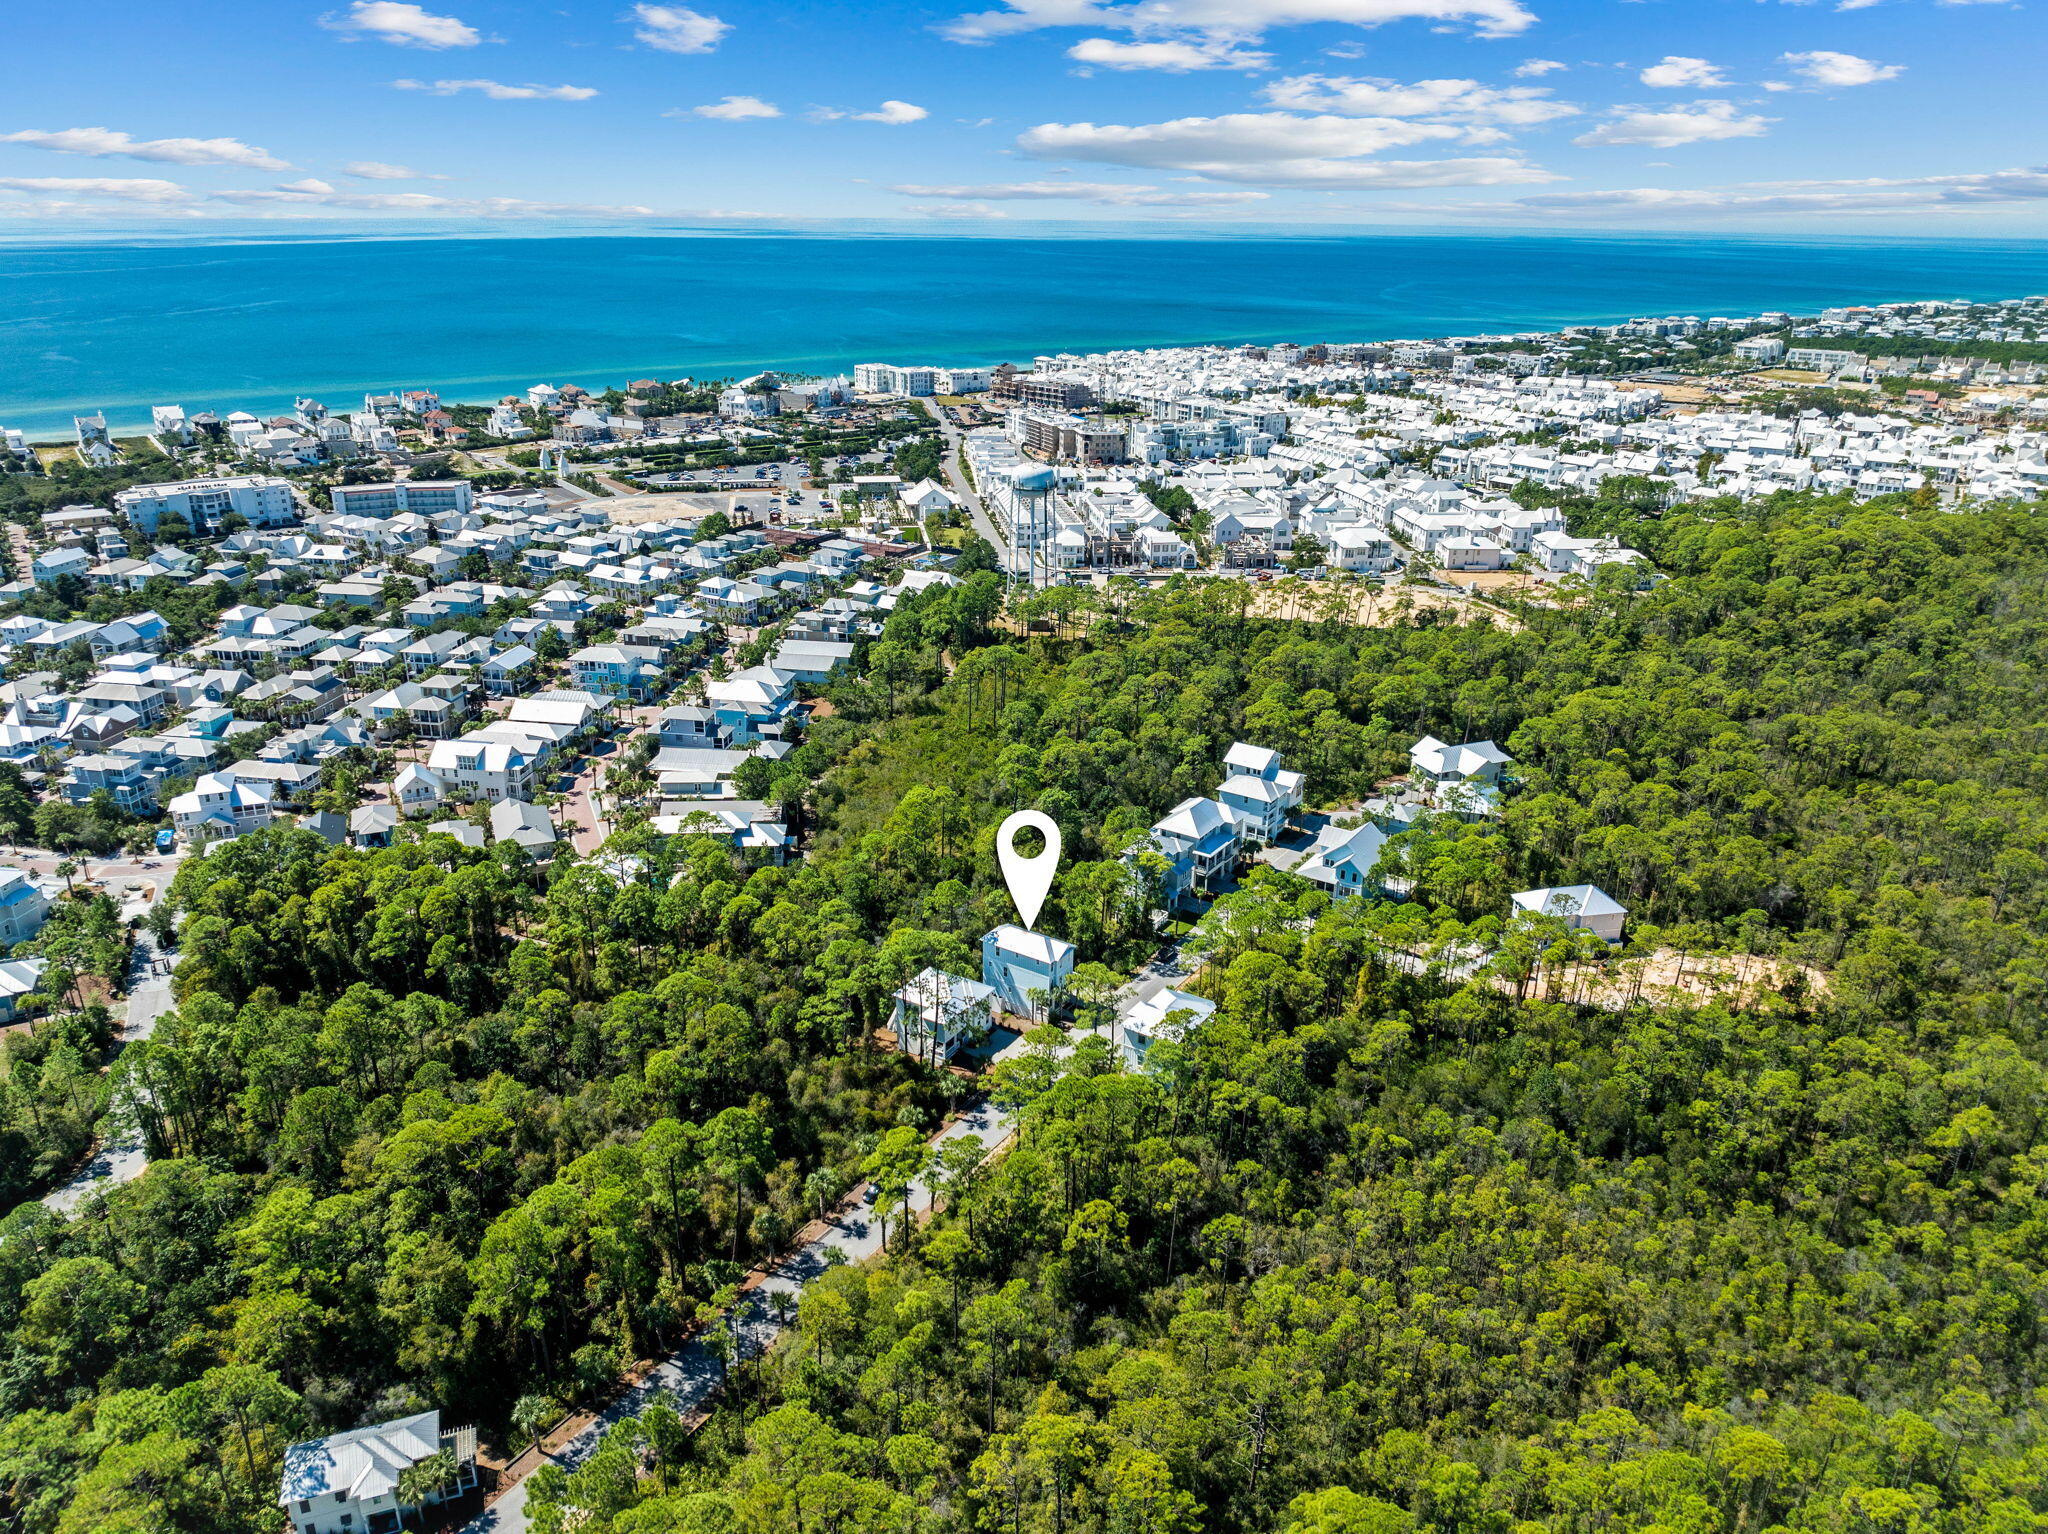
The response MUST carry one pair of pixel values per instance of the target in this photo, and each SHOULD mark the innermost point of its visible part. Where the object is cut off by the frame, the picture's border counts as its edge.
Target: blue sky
(1836, 116)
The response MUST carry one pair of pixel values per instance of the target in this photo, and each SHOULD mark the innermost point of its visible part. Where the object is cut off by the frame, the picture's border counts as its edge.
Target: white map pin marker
(1030, 879)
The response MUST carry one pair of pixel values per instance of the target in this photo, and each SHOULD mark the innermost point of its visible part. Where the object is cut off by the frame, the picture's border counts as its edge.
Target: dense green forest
(1918, 346)
(1389, 1245)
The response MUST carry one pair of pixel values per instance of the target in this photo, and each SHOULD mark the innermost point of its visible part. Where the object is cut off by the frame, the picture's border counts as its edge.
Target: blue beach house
(1025, 969)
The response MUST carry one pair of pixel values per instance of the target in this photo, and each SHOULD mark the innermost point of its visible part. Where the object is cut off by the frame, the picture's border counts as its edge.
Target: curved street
(688, 1378)
(139, 883)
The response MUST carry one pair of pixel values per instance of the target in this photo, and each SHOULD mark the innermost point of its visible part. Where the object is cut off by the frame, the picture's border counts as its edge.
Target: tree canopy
(1397, 1241)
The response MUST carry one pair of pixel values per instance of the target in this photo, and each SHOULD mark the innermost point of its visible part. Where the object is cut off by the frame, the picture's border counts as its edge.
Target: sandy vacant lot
(1669, 977)
(1373, 606)
(627, 510)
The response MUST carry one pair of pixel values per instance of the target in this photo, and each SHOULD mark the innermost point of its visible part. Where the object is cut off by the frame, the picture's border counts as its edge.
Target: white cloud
(894, 113)
(1698, 123)
(139, 190)
(961, 210)
(1240, 20)
(92, 194)
(735, 109)
(108, 144)
(426, 202)
(1173, 56)
(1444, 100)
(408, 26)
(1678, 73)
(1276, 149)
(497, 91)
(1107, 193)
(678, 29)
(45, 208)
(1854, 5)
(378, 170)
(1869, 196)
(1531, 69)
(1840, 69)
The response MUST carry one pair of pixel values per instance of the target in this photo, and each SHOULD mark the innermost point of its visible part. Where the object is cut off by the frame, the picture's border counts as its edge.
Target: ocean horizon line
(260, 232)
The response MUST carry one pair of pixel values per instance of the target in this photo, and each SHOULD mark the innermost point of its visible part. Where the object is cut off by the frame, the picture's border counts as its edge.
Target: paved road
(688, 1378)
(957, 483)
(120, 1157)
(579, 817)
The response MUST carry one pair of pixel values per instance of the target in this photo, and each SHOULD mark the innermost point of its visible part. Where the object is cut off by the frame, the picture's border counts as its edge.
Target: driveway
(688, 1378)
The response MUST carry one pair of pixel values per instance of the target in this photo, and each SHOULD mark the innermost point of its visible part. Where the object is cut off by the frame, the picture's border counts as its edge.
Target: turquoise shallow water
(231, 324)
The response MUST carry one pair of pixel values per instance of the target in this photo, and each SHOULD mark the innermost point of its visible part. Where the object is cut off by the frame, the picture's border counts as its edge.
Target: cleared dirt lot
(1373, 606)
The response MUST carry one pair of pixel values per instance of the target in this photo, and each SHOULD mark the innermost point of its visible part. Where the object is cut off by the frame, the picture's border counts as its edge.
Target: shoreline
(1299, 288)
(813, 367)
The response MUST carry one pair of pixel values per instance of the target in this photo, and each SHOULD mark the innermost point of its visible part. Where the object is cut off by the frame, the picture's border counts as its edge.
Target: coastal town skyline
(1483, 113)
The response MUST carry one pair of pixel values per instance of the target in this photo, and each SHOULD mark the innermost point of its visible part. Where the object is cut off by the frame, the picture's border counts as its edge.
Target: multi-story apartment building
(423, 497)
(260, 500)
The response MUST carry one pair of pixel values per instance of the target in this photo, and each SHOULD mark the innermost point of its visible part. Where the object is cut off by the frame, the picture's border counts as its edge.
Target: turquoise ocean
(250, 320)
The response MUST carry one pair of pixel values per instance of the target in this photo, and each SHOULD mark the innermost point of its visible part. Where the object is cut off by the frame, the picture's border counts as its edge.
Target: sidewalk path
(689, 1378)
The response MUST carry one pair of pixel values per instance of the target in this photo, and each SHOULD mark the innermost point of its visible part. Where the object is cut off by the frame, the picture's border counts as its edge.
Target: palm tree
(531, 1415)
(65, 870)
(429, 1478)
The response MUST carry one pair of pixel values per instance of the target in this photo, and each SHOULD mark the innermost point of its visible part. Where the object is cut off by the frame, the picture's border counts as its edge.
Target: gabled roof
(1569, 900)
(362, 1463)
(1036, 947)
(1194, 819)
(936, 991)
(527, 824)
(1436, 758)
(1254, 790)
(373, 818)
(1149, 1016)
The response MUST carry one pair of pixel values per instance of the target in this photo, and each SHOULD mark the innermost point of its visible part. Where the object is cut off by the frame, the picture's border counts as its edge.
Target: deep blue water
(217, 324)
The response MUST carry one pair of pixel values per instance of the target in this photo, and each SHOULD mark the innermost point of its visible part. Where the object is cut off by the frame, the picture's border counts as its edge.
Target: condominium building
(423, 497)
(261, 500)
(889, 378)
